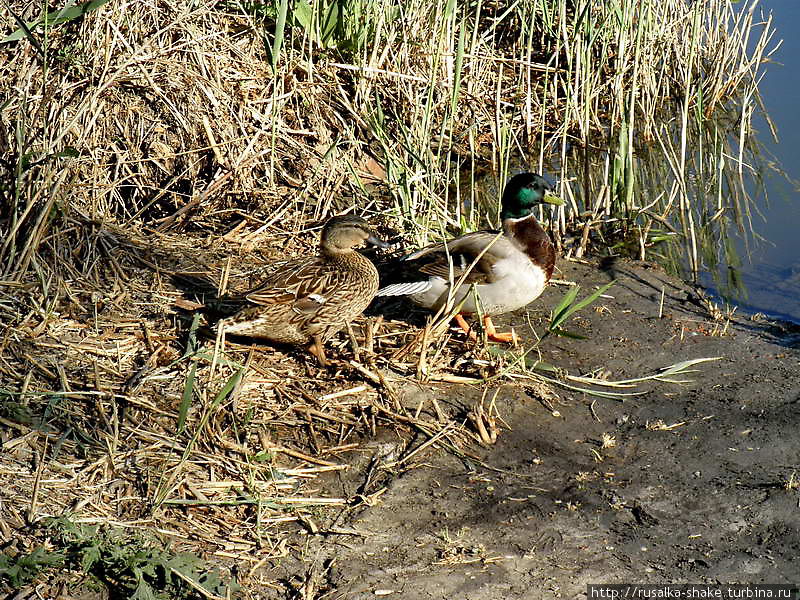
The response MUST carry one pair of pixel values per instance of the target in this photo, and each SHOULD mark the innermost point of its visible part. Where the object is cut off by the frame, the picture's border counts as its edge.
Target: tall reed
(285, 112)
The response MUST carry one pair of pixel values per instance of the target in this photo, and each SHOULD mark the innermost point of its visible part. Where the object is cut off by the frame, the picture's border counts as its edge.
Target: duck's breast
(518, 282)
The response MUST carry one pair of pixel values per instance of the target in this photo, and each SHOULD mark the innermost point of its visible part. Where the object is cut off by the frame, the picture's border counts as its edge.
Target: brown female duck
(307, 300)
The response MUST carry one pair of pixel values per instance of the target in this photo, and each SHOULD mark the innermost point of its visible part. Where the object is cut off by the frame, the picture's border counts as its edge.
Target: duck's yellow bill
(551, 198)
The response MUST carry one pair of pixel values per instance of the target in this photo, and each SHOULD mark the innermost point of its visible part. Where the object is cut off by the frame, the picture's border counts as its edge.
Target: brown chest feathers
(529, 236)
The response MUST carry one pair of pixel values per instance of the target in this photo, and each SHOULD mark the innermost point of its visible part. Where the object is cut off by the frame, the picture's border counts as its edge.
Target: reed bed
(145, 139)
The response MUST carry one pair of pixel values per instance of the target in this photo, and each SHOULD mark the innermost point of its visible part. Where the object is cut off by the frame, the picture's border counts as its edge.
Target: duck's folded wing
(455, 258)
(304, 284)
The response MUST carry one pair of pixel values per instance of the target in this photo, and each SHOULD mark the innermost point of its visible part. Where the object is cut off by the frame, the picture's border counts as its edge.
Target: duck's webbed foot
(491, 332)
(509, 337)
(318, 350)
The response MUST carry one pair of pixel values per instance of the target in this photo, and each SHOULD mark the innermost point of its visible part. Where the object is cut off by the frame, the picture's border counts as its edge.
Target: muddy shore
(687, 483)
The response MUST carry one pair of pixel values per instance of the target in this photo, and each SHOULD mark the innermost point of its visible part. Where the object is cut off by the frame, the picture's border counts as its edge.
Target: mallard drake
(306, 300)
(511, 271)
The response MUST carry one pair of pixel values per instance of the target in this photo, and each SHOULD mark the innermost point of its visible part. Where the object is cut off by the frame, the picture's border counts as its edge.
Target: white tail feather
(404, 289)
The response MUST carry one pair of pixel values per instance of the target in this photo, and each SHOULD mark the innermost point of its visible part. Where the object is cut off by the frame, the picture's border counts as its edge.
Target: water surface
(772, 273)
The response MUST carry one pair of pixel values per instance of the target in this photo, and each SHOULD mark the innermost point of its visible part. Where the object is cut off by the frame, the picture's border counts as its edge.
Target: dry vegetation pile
(148, 138)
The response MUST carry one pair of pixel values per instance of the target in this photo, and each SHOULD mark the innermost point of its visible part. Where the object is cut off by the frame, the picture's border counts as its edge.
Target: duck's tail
(405, 289)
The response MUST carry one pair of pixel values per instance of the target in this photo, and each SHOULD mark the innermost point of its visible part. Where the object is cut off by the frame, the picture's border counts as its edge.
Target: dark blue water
(772, 274)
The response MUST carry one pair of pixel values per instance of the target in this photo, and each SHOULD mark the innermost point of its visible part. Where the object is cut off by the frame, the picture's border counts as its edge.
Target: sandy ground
(691, 484)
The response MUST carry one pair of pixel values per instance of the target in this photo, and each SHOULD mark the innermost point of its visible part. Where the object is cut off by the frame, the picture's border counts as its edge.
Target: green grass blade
(52, 19)
(566, 308)
(564, 333)
(23, 31)
(329, 25)
(186, 399)
(191, 342)
(592, 297)
(303, 14)
(280, 25)
(163, 488)
(562, 306)
(462, 37)
(226, 390)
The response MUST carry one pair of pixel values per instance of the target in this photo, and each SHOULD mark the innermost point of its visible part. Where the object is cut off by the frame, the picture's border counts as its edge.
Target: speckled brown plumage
(307, 300)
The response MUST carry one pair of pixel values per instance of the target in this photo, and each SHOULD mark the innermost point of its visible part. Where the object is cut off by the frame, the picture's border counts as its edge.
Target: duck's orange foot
(462, 322)
(491, 333)
(316, 349)
(509, 337)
